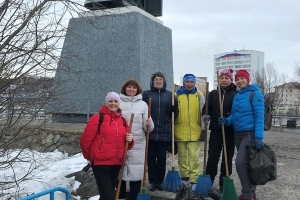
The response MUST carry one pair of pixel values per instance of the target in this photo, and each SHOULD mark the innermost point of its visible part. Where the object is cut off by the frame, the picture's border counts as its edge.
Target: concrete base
(100, 52)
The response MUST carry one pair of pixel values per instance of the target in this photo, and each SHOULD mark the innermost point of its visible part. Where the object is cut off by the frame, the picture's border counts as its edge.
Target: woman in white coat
(131, 102)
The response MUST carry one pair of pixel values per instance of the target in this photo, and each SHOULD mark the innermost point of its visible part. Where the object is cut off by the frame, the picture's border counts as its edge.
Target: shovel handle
(124, 160)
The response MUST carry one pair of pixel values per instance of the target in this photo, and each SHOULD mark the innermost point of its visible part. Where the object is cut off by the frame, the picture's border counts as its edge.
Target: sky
(51, 171)
(201, 29)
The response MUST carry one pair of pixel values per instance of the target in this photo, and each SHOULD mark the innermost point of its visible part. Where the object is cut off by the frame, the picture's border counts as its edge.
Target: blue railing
(49, 191)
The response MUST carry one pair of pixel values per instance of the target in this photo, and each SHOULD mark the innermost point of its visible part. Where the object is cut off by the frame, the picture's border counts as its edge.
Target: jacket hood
(131, 99)
(252, 87)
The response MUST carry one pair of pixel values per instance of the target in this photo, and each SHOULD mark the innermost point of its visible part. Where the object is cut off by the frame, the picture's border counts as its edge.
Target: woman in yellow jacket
(188, 129)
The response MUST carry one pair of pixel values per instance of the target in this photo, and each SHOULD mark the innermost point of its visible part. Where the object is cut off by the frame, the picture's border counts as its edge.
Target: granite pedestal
(102, 49)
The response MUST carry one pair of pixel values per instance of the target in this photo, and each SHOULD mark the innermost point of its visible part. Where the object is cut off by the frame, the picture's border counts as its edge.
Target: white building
(249, 60)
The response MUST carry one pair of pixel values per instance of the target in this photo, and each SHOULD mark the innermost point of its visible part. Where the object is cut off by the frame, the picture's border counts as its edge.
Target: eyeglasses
(158, 80)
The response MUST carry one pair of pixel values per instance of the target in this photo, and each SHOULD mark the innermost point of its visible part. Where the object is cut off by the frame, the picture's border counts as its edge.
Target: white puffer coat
(134, 167)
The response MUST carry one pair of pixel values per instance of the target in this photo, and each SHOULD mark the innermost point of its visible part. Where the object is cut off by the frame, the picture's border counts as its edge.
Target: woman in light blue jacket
(248, 123)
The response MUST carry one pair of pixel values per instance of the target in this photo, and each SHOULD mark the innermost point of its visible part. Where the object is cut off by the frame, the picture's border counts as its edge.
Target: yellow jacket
(187, 126)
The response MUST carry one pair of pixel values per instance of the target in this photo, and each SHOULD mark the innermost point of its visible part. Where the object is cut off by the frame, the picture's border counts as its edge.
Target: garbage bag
(184, 193)
(262, 164)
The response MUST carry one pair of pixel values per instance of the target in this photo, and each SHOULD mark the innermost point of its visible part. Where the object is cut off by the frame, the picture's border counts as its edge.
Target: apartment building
(250, 60)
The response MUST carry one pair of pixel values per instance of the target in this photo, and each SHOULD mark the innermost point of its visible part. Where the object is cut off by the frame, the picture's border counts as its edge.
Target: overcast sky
(202, 28)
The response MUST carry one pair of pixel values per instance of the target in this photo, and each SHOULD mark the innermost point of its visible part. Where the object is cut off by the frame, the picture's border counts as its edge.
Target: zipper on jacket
(101, 143)
(158, 115)
(188, 100)
(117, 149)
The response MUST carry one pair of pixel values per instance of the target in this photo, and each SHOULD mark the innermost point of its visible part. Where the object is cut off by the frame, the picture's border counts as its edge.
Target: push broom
(229, 192)
(172, 181)
(144, 195)
(204, 181)
(124, 160)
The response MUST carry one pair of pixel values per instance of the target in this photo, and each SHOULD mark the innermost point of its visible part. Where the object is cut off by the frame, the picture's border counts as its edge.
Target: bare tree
(32, 33)
(297, 71)
(268, 79)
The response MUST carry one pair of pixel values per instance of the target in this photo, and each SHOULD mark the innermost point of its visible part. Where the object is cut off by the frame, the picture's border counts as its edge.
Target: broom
(124, 160)
(204, 181)
(172, 181)
(144, 195)
(229, 192)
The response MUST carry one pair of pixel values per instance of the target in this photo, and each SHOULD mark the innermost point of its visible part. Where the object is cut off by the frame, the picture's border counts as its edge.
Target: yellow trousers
(189, 160)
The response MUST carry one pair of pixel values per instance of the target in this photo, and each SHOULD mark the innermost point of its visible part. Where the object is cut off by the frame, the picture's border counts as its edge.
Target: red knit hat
(243, 73)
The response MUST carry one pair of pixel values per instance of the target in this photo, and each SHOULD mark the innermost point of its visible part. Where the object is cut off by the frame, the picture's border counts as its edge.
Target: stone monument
(102, 49)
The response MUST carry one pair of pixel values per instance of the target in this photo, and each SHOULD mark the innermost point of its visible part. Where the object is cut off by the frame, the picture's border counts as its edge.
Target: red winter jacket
(107, 147)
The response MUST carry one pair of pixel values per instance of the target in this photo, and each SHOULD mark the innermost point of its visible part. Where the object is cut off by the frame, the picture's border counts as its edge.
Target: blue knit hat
(189, 77)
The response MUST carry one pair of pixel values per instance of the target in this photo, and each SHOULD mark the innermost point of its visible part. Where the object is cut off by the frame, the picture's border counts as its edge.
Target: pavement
(286, 144)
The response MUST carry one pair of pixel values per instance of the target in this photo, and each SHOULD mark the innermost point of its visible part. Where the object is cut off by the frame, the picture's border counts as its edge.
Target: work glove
(173, 108)
(222, 120)
(206, 118)
(259, 143)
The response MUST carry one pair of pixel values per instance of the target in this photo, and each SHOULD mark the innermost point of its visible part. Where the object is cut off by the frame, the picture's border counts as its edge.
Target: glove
(206, 118)
(222, 120)
(259, 143)
(86, 168)
(173, 108)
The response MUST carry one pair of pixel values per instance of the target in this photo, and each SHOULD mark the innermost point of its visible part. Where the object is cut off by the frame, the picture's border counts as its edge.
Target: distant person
(160, 136)
(131, 102)
(228, 91)
(105, 149)
(188, 129)
(248, 124)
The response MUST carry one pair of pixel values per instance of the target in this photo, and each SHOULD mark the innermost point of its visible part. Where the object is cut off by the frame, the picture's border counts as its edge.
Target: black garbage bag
(185, 193)
(262, 164)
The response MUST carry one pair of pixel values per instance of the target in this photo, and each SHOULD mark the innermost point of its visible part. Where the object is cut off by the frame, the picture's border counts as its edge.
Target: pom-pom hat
(226, 72)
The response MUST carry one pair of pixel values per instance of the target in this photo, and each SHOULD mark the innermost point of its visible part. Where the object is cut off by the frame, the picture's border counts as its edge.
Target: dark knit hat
(243, 73)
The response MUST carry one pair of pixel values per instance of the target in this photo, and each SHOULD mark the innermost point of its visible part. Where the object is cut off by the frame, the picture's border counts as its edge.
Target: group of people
(104, 149)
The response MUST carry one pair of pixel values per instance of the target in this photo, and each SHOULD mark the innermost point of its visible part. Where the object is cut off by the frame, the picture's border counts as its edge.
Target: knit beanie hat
(112, 96)
(226, 72)
(189, 77)
(243, 73)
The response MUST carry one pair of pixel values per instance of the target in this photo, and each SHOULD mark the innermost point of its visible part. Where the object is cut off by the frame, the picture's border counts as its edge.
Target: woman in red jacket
(105, 149)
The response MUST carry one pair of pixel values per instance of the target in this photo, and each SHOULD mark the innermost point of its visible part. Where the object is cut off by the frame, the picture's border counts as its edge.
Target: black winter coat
(160, 113)
(214, 107)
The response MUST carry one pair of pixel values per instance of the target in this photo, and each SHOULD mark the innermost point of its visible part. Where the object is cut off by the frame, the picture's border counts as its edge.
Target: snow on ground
(51, 171)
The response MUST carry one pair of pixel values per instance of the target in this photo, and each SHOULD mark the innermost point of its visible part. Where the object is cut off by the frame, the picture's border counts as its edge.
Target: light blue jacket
(247, 117)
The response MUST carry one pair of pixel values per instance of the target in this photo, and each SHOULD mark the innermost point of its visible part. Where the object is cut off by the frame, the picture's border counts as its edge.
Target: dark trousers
(214, 151)
(241, 140)
(157, 152)
(135, 188)
(106, 178)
